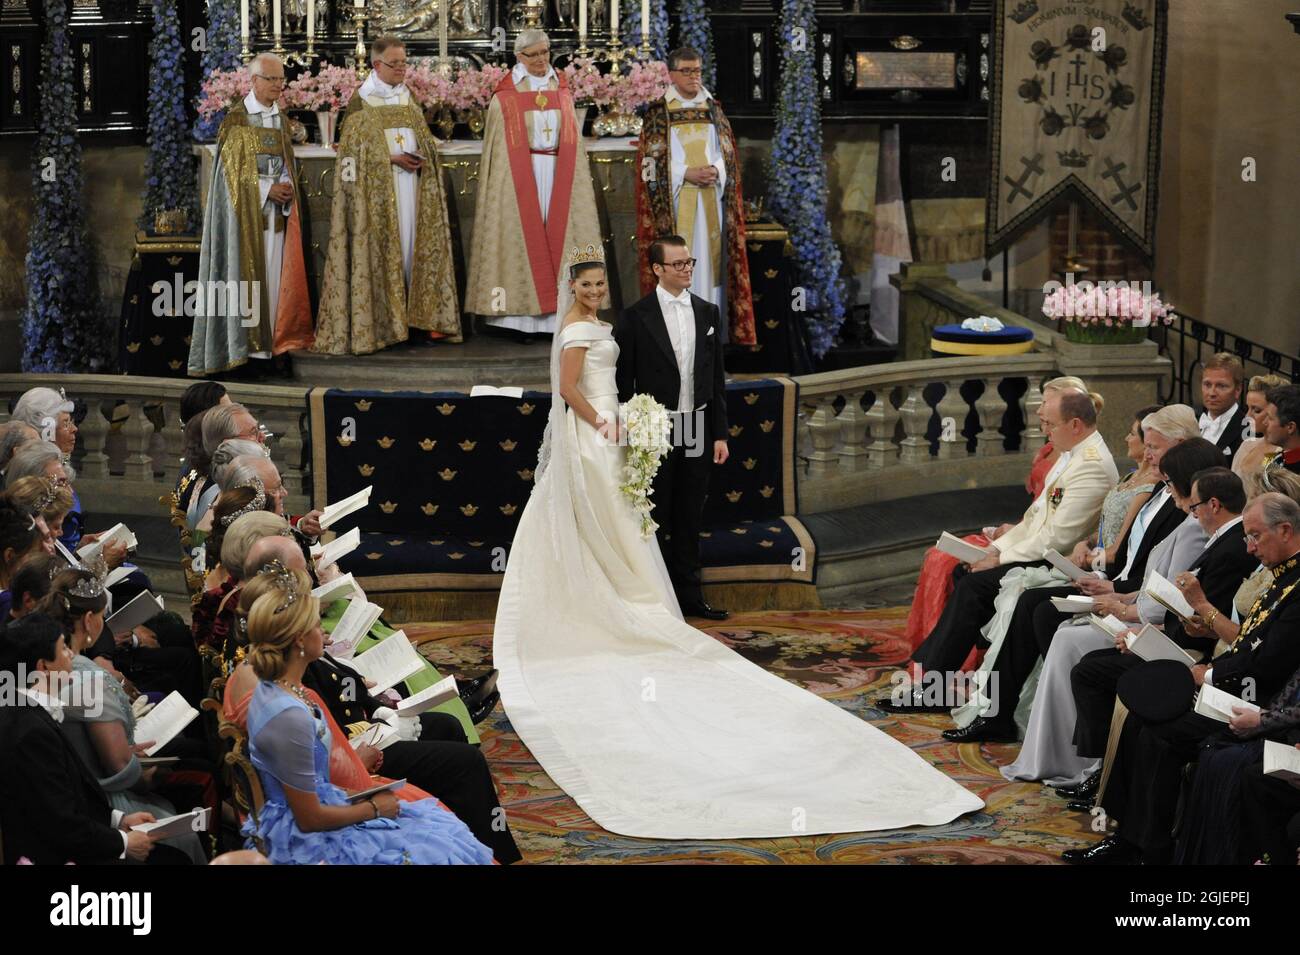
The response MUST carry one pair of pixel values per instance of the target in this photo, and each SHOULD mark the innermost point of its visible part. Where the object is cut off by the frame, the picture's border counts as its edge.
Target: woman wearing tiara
(654, 728)
(306, 819)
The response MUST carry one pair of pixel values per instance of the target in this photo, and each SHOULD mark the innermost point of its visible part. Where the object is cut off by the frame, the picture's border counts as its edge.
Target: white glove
(408, 727)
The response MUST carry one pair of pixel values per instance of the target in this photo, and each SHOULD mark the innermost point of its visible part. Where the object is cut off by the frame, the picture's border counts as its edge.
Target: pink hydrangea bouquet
(473, 89)
(326, 91)
(1107, 304)
(428, 86)
(644, 83)
(221, 90)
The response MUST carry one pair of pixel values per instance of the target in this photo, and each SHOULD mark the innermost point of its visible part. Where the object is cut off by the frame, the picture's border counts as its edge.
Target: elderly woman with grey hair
(50, 413)
(13, 435)
(198, 513)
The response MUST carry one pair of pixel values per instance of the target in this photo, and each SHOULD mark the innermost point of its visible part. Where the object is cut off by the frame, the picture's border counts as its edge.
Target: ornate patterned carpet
(844, 656)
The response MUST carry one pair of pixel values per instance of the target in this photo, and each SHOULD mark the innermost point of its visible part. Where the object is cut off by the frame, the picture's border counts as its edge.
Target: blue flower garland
(796, 176)
(63, 326)
(169, 170)
(695, 30)
(221, 53)
(630, 22)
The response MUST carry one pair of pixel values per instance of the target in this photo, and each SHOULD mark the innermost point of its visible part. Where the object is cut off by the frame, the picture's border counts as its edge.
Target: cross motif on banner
(1125, 192)
(1033, 167)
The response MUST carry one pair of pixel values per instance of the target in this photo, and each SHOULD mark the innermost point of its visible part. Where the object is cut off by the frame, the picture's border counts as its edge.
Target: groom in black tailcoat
(669, 347)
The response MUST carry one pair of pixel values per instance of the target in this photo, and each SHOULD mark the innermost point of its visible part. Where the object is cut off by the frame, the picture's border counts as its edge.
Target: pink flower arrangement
(428, 86)
(329, 90)
(645, 83)
(1107, 304)
(222, 89)
(473, 89)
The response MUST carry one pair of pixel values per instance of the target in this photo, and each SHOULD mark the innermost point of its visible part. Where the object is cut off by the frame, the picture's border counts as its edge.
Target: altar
(611, 160)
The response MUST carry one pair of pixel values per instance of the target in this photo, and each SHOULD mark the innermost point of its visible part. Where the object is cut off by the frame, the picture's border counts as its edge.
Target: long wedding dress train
(654, 728)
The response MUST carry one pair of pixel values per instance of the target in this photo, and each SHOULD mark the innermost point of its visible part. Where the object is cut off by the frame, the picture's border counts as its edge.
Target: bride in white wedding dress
(656, 729)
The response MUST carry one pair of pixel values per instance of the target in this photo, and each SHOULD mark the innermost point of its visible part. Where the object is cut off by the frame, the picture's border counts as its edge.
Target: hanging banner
(1075, 112)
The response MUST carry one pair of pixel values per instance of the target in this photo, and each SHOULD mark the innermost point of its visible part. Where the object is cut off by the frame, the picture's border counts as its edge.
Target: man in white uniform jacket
(1064, 513)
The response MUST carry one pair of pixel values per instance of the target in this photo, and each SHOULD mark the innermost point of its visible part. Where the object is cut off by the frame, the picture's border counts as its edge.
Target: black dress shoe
(1080, 805)
(1084, 790)
(1110, 851)
(478, 689)
(701, 609)
(907, 704)
(477, 714)
(983, 730)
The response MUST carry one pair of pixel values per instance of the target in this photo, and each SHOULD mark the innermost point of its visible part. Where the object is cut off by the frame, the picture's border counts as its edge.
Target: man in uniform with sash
(389, 267)
(535, 189)
(253, 300)
(691, 187)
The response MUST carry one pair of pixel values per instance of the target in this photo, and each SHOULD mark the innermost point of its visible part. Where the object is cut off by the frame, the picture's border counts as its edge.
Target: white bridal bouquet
(647, 433)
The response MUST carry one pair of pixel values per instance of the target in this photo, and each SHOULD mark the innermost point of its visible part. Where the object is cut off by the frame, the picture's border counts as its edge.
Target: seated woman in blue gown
(306, 819)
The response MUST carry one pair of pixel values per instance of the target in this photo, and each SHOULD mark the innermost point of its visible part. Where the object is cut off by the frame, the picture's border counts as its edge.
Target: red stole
(545, 243)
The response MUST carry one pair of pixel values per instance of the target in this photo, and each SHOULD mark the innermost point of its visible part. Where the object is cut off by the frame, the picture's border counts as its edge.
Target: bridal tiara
(581, 256)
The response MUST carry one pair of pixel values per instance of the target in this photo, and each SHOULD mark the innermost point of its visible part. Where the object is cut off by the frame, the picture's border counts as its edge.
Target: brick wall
(1107, 255)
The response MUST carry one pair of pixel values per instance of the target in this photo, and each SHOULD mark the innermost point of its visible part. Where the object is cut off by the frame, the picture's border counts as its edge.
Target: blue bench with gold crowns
(451, 475)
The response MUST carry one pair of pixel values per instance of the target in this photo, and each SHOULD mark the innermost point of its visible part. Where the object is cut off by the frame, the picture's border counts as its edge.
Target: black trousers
(1029, 635)
(680, 489)
(1146, 777)
(1269, 813)
(1094, 680)
(442, 764)
(967, 610)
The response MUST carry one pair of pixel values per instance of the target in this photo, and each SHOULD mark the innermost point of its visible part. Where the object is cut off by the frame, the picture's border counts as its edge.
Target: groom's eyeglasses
(682, 265)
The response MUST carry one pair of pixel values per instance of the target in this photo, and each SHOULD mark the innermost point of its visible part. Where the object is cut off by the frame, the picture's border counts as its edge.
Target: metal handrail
(1185, 329)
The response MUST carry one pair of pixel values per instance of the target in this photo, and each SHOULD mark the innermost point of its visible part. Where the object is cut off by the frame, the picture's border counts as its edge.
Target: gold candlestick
(359, 18)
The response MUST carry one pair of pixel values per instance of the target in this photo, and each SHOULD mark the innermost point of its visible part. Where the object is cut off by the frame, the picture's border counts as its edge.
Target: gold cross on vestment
(401, 141)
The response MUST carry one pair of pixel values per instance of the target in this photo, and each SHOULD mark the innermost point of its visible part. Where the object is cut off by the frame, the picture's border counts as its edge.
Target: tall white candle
(275, 14)
(311, 19)
(645, 21)
(360, 4)
(613, 18)
(243, 21)
(442, 32)
(582, 19)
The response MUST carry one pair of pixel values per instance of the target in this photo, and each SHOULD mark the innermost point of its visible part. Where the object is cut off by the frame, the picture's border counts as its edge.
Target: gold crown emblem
(767, 426)
(475, 543)
(734, 496)
(386, 442)
(373, 556)
(135, 299)
(580, 256)
(526, 474)
(133, 347)
(363, 405)
(751, 398)
(775, 530)
(766, 492)
(187, 338)
(750, 463)
(772, 323)
(735, 430)
(738, 530)
(457, 555)
(507, 445)
(173, 365)
(429, 509)
(770, 273)
(508, 509)
(366, 470)
(344, 441)
(396, 543)
(758, 296)
(469, 510)
(706, 534)
(388, 507)
(526, 408)
(468, 445)
(765, 543)
(446, 474)
(437, 543)
(427, 444)
(445, 408)
(156, 340)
